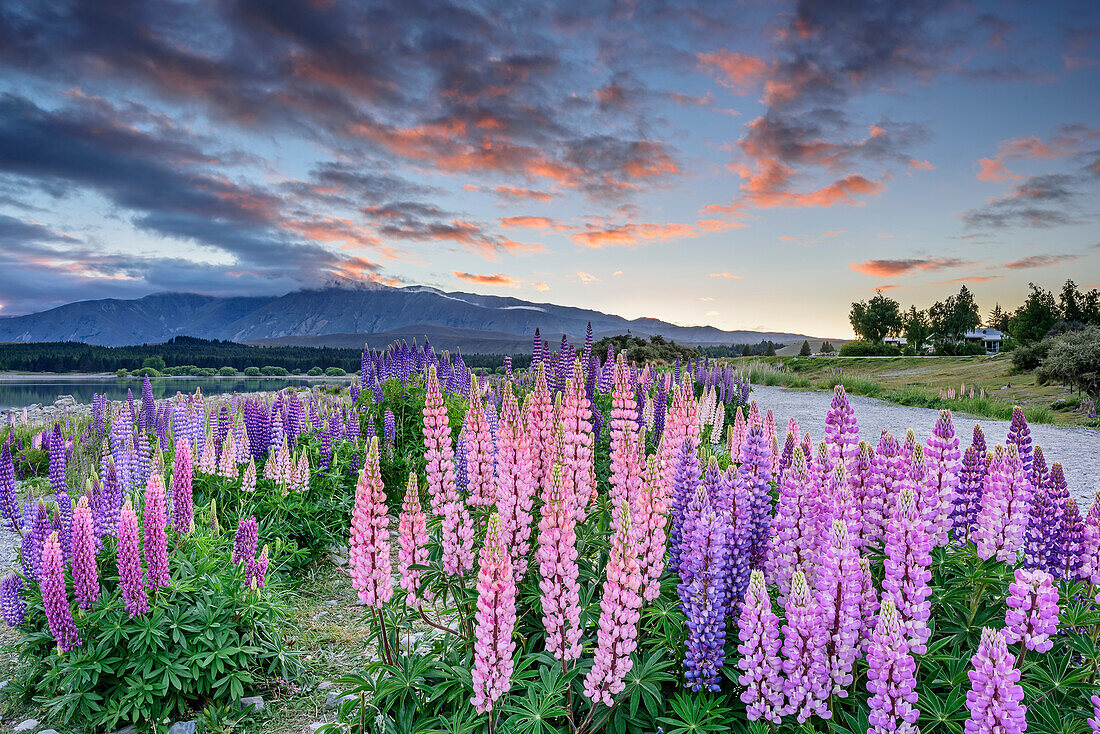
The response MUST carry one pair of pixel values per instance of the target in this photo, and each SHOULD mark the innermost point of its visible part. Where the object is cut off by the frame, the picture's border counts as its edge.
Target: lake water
(16, 392)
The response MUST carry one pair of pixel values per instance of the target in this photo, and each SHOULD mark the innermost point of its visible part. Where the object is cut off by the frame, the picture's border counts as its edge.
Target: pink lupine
(617, 635)
(681, 423)
(941, 477)
(558, 573)
(55, 597)
(908, 556)
(651, 530)
(843, 506)
(840, 595)
(457, 537)
(805, 666)
(495, 621)
(303, 472)
(995, 698)
(514, 490)
(625, 479)
(371, 573)
(889, 471)
(438, 451)
(183, 502)
(85, 572)
(737, 433)
(868, 605)
(539, 416)
(1032, 615)
(1005, 509)
(841, 429)
(891, 676)
(576, 417)
(1090, 546)
(208, 459)
(796, 543)
(758, 630)
(227, 462)
(155, 538)
(479, 452)
(248, 479)
(129, 562)
(412, 544)
(869, 496)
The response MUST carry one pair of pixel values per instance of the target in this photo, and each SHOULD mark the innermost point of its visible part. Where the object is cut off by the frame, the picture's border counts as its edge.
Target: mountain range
(348, 316)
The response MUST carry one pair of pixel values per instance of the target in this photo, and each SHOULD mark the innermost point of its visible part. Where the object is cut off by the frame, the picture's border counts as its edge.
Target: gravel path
(1077, 448)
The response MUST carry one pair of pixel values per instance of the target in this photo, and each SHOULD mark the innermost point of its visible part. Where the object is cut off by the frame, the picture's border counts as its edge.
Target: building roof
(984, 333)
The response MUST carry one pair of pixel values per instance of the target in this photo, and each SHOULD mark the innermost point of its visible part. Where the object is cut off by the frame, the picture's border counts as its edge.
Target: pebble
(325, 685)
(338, 560)
(129, 729)
(252, 703)
(312, 727)
(334, 699)
(28, 725)
(184, 727)
(49, 731)
(331, 602)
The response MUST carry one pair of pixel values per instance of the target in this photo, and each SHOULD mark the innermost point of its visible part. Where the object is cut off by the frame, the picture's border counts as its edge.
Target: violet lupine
(840, 595)
(9, 505)
(85, 573)
(412, 544)
(889, 470)
(479, 452)
(514, 491)
(1032, 615)
(869, 497)
(868, 604)
(256, 570)
(371, 573)
(941, 477)
(796, 543)
(55, 597)
(995, 698)
(155, 539)
(702, 591)
(558, 573)
(617, 634)
(758, 630)
(968, 498)
(841, 429)
(245, 541)
(1071, 541)
(1019, 435)
(756, 468)
(38, 527)
(1042, 535)
(805, 666)
(389, 428)
(12, 607)
(908, 556)
(1005, 509)
(438, 451)
(687, 478)
(495, 621)
(183, 502)
(891, 676)
(1038, 474)
(652, 539)
(1094, 722)
(735, 504)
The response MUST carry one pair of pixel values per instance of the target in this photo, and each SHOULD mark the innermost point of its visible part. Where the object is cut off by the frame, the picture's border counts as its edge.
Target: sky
(750, 165)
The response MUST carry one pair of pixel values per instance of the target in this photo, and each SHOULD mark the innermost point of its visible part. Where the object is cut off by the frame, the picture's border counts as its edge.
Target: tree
(1074, 357)
(952, 318)
(154, 363)
(1035, 318)
(1070, 306)
(917, 329)
(805, 351)
(876, 319)
(746, 351)
(827, 348)
(998, 318)
(771, 350)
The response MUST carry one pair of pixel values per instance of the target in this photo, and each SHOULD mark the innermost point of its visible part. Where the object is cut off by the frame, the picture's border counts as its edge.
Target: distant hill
(347, 316)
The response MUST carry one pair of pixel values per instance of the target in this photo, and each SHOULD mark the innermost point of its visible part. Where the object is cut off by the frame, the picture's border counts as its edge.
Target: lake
(18, 391)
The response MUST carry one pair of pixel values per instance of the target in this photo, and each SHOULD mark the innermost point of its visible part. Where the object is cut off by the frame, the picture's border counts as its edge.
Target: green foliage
(145, 372)
(315, 372)
(869, 349)
(639, 351)
(273, 371)
(228, 371)
(876, 319)
(1031, 321)
(950, 319)
(32, 462)
(336, 372)
(155, 363)
(805, 351)
(252, 371)
(1074, 358)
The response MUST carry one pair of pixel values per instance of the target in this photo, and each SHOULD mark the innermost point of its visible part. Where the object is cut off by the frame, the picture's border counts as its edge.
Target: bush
(959, 349)
(228, 372)
(336, 372)
(252, 371)
(315, 372)
(122, 373)
(156, 363)
(1026, 357)
(869, 349)
(145, 372)
(1074, 358)
(274, 371)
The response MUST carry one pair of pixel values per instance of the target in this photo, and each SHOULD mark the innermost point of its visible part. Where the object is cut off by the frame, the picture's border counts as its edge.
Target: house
(988, 338)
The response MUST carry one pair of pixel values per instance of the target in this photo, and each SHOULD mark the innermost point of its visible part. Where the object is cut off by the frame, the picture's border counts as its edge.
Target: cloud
(884, 268)
(498, 279)
(1039, 261)
(736, 71)
(967, 279)
(994, 170)
(1037, 202)
(586, 278)
(631, 234)
(725, 274)
(513, 192)
(1068, 142)
(528, 222)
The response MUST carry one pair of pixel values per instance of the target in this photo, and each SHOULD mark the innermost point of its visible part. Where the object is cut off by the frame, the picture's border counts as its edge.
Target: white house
(988, 338)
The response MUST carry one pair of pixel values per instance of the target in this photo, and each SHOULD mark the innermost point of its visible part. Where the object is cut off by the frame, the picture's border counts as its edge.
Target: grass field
(919, 381)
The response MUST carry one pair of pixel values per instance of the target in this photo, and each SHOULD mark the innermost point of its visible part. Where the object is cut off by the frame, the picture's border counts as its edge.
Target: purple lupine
(85, 573)
(1019, 435)
(968, 498)
(1038, 467)
(55, 597)
(840, 595)
(9, 505)
(1070, 541)
(1032, 616)
(183, 502)
(941, 478)
(805, 666)
(687, 478)
(256, 570)
(702, 572)
(1042, 535)
(869, 497)
(155, 539)
(389, 428)
(756, 467)
(37, 521)
(891, 676)
(57, 460)
(129, 563)
(12, 606)
(841, 429)
(796, 543)
(758, 630)
(1058, 490)
(1005, 508)
(995, 698)
(736, 507)
(245, 541)
(908, 557)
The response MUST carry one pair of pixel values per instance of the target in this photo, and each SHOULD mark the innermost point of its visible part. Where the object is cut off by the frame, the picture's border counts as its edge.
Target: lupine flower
(796, 543)
(371, 572)
(438, 451)
(968, 497)
(941, 478)
(85, 573)
(1005, 508)
(686, 482)
(256, 570)
(183, 504)
(514, 491)
(9, 505)
(495, 621)
(995, 698)
(889, 470)
(55, 597)
(1032, 615)
(1019, 435)
(891, 676)
(868, 605)
(908, 557)
(756, 468)
(840, 594)
(735, 506)
(1090, 546)
(841, 429)
(617, 635)
(576, 417)
(389, 428)
(557, 559)
(1071, 539)
(624, 425)
(245, 541)
(12, 606)
(1058, 490)
(540, 430)
(156, 539)
(806, 685)
(248, 479)
(869, 497)
(652, 520)
(1094, 722)
(30, 552)
(758, 630)
(702, 591)
(412, 544)
(1042, 536)
(479, 452)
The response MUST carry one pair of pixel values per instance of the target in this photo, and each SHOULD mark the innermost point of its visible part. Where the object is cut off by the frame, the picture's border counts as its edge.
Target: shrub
(869, 349)
(156, 363)
(315, 372)
(274, 371)
(1026, 357)
(336, 372)
(122, 372)
(1074, 358)
(252, 371)
(145, 372)
(228, 371)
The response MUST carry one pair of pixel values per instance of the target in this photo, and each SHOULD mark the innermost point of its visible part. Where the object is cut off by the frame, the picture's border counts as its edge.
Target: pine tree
(805, 351)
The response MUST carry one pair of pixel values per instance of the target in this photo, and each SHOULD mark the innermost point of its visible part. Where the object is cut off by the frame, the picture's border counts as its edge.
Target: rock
(184, 727)
(64, 401)
(49, 731)
(312, 727)
(331, 602)
(131, 729)
(252, 703)
(28, 725)
(338, 560)
(334, 699)
(317, 616)
(325, 685)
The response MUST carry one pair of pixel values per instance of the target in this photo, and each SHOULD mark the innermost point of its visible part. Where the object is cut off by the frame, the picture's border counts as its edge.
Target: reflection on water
(18, 392)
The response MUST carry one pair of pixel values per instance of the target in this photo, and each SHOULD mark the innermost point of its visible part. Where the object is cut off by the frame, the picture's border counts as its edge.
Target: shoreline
(59, 376)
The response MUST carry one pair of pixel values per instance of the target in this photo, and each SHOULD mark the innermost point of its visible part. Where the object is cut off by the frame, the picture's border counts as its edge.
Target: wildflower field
(585, 546)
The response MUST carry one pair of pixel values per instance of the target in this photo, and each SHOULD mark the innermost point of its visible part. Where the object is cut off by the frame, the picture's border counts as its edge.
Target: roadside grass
(918, 382)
